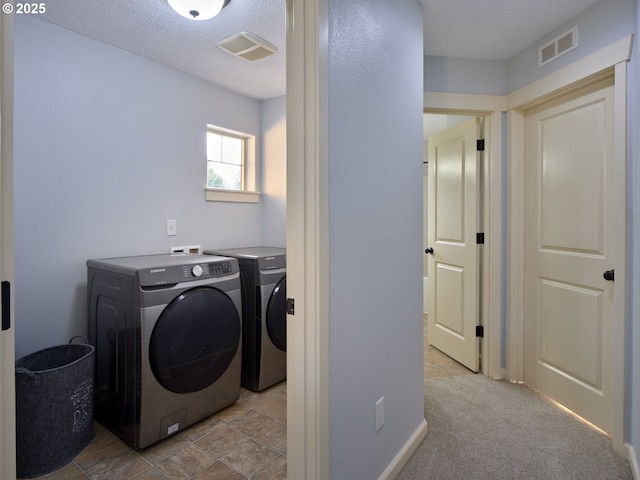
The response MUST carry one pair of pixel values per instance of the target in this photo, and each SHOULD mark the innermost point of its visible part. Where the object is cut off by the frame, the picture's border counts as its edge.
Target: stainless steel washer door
(194, 340)
(277, 315)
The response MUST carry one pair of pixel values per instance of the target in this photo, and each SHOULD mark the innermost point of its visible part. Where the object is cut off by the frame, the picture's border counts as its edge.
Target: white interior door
(569, 233)
(7, 342)
(453, 259)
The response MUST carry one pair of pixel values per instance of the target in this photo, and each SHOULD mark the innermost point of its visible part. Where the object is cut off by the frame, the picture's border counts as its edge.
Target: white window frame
(249, 192)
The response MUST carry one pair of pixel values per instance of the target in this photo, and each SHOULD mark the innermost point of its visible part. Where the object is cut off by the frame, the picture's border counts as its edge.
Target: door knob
(429, 251)
(609, 275)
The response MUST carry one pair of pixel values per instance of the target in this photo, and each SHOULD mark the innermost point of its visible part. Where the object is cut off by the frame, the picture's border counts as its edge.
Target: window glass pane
(222, 175)
(232, 150)
(225, 160)
(214, 147)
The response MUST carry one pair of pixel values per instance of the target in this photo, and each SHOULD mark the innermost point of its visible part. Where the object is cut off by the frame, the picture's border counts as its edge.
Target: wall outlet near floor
(379, 414)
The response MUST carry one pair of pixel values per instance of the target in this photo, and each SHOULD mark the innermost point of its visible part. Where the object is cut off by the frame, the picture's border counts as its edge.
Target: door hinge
(479, 331)
(6, 305)
(480, 145)
(291, 306)
(480, 238)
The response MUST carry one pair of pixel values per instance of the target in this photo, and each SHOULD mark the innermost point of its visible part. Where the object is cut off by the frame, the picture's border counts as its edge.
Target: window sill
(221, 195)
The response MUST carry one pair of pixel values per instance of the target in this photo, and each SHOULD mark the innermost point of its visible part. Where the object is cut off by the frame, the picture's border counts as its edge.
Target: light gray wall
(274, 183)
(600, 25)
(108, 146)
(375, 232)
(463, 75)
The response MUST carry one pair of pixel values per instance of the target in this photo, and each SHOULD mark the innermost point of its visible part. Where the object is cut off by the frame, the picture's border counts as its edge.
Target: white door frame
(307, 240)
(582, 72)
(491, 108)
(7, 337)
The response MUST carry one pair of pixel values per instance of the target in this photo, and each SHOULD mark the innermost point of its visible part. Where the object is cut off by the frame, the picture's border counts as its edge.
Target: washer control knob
(196, 271)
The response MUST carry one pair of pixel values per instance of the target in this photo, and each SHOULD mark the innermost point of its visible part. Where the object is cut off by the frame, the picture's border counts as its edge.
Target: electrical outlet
(379, 414)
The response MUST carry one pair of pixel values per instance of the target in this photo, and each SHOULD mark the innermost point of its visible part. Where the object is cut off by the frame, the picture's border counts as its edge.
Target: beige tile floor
(244, 441)
(437, 364)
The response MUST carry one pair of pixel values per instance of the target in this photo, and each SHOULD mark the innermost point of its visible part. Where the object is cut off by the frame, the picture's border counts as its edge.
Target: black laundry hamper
(54, 407)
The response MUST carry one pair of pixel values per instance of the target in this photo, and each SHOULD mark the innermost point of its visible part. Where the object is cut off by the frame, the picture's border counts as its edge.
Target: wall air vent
(558, 46)
(248, 46)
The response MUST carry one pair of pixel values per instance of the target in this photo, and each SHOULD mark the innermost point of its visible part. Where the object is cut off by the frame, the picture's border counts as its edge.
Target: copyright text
(24, 8)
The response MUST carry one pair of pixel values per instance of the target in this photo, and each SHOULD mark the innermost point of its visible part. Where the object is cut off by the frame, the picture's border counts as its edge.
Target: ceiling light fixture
(198, 9)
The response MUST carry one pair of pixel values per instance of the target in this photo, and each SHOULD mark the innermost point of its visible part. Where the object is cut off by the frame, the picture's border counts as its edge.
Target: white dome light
(198, 9)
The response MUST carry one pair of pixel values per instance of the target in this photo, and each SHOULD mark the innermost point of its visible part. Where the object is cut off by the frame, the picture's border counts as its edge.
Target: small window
(225, 161)
(230, 166)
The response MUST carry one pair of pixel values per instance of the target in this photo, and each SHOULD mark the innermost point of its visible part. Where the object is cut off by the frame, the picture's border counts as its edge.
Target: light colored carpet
(485, 429)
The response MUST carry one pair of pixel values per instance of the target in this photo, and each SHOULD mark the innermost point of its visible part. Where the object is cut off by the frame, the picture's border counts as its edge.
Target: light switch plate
(171, 228)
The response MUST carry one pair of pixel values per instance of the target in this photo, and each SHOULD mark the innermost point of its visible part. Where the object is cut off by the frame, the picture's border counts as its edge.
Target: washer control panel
(187, 272)
(207, 270)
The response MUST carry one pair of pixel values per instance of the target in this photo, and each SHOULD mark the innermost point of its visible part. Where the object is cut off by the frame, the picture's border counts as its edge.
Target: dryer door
(194, 340)
(277, 315)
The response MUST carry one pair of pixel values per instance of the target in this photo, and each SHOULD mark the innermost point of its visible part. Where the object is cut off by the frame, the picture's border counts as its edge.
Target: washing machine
(167, 332)
(263, 272)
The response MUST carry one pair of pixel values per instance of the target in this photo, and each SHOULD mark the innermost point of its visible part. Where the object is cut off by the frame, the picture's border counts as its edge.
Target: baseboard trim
(403, 456)
(633, 461)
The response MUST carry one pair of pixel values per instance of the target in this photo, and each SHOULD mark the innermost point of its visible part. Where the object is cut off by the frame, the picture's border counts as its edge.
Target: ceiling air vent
(557, 47)
(248, 46)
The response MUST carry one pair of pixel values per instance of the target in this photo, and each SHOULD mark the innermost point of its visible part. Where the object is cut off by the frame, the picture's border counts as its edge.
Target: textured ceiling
(150, 28)
(482, 29)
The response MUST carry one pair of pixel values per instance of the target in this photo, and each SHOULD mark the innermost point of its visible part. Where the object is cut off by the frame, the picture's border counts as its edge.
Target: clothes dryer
(167, 331)
(263, 272)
